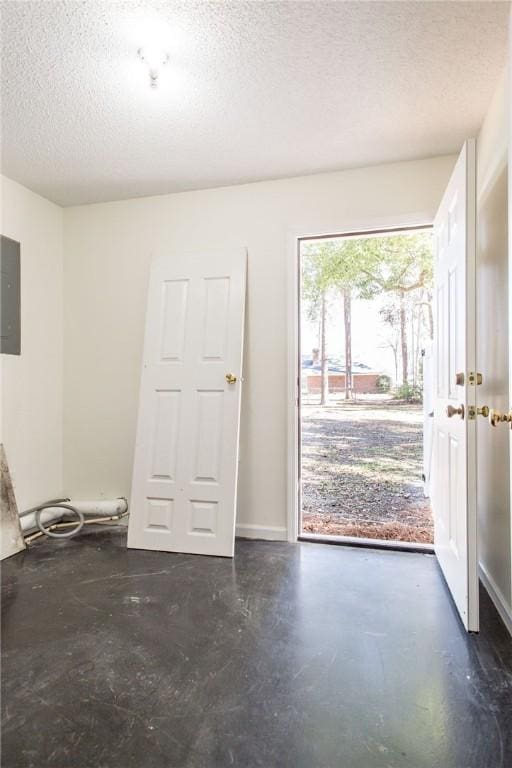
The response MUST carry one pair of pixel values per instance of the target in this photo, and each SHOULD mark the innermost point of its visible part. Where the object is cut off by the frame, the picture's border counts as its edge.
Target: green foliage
(316, 280)
(384, 383)
(409, 392)
(397, 265)
(369, 265)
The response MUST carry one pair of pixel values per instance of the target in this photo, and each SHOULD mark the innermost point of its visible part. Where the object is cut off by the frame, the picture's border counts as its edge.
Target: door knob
(230, 378)
(483, 411)
(452, 411)
(496, 417)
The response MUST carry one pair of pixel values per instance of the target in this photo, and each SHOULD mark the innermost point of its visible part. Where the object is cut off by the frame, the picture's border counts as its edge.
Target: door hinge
(475, 378)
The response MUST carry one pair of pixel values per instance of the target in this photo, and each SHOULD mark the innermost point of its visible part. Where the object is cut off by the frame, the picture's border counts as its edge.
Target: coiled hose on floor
(76, 527)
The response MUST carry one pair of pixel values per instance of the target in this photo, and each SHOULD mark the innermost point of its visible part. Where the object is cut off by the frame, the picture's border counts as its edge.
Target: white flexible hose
(51, 514)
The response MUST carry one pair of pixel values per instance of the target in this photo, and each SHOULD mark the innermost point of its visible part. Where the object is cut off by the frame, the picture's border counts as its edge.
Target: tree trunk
(395, 354)
(430, 314)
(413, 349)
(403, 340)
(347, 321)
(324, 368)
(417, 362)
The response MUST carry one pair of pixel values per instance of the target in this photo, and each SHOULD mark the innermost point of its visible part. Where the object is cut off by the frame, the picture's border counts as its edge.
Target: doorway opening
(365, 412)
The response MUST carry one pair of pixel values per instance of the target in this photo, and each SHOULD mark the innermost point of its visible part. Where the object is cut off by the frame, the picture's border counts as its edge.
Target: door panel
(216, 316)
(165, 435)
(186, 455)
(208, 443)
(172, 320)
(454, 461)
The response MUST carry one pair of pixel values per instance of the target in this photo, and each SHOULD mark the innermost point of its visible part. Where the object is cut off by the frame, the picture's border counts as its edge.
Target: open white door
(186, 455)
(428, 415)
(454, 457)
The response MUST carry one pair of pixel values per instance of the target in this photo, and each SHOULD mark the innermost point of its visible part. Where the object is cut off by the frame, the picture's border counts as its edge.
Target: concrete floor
(292, 656)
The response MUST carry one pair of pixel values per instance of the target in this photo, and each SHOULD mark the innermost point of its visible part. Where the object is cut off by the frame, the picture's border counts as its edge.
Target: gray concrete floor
(299, 656)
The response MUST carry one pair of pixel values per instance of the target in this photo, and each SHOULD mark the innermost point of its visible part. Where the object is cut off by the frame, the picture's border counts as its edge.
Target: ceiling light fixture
(154, 58)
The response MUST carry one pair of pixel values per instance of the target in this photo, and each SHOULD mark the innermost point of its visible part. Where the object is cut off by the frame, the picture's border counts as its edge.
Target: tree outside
(366, 316)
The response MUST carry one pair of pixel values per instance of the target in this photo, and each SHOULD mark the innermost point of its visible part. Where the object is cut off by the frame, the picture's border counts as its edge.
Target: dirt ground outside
(362, 465)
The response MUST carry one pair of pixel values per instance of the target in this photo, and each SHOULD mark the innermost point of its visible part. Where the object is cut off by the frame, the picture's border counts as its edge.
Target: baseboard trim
(269, 532)
(497, 598)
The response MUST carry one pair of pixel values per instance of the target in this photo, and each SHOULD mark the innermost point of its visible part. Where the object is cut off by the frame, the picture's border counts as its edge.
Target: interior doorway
(366, 331)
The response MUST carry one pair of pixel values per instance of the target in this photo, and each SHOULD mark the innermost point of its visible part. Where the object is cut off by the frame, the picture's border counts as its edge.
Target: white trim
(497, 597)
(270, 532)
(390, 223)
(473, 617)
(292, 516)
(509, 213)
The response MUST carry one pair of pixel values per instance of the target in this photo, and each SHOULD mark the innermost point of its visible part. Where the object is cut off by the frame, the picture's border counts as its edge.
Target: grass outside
(362, 465)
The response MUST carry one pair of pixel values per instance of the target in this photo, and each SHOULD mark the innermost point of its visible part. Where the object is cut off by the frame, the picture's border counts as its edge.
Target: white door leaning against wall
(186, 455)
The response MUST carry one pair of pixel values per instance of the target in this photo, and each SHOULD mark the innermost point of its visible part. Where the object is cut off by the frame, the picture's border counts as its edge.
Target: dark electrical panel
(10, 330)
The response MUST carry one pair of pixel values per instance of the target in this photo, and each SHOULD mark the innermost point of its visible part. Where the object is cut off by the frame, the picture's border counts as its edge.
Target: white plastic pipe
(50, 515)
(100, 508)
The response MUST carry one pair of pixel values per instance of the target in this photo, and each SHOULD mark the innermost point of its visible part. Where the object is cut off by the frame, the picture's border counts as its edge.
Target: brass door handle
(496, 417)
(230, 378)
(483, 411)
(452, 411)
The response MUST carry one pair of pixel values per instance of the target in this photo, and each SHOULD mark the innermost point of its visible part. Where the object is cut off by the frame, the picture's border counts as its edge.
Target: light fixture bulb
(154, 58)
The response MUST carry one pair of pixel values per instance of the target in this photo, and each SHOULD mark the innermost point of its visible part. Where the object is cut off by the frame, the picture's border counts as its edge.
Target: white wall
(108, 251)
(31, 384)
(493, 479)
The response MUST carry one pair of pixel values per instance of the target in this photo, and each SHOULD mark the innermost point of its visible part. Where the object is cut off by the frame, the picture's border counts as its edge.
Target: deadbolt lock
(473, 378)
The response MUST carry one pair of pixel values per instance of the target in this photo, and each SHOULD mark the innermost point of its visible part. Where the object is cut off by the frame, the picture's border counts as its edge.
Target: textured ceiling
(253, 90)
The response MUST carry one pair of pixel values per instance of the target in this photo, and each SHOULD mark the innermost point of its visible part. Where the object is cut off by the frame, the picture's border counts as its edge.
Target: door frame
(377, 225)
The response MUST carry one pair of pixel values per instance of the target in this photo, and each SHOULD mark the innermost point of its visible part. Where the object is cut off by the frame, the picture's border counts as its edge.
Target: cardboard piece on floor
(11, 537)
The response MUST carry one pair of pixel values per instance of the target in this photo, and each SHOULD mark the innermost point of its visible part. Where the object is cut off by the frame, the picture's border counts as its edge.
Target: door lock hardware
(483, 411)
(452, 411)
(230, 378)
(497, 417)
(475, 378)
